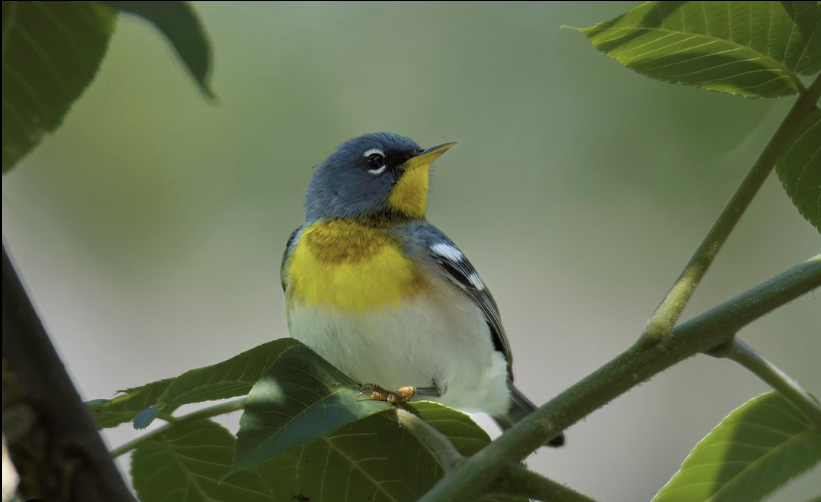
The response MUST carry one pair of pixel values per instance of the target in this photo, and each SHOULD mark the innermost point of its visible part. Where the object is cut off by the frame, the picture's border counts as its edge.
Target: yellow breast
(351, 266)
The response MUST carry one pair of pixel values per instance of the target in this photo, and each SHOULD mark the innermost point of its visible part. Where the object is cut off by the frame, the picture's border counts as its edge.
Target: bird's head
(374, 175)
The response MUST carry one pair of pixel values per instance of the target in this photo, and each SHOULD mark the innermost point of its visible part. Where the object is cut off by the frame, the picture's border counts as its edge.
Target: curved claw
(374, 392)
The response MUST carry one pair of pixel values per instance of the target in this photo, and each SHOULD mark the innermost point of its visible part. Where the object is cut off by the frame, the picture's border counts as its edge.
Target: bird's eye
(375, 161)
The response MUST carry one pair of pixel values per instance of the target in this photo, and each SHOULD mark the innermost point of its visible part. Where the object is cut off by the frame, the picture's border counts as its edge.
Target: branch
(211, 411)
(56, 449)
(666, 316)
(519, 481)
(438, 442)
(634, 366)
(744, 355)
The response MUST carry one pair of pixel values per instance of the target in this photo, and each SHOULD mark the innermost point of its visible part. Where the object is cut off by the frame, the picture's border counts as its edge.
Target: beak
(428, 155)
(409, 194)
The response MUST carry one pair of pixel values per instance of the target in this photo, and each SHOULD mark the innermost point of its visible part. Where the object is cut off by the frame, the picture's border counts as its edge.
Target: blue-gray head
(373, 175)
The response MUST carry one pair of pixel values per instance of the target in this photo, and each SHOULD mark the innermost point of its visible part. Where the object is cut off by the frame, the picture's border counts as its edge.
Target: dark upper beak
(428, 155)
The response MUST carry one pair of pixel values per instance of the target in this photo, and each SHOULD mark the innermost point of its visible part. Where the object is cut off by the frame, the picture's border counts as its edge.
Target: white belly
(416, 344)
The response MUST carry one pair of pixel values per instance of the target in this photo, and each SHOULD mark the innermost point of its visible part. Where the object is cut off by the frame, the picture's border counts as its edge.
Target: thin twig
(665, 317)
(438, 442)
(634, 366)
(519, 481)
(744, 355)
(211, 411)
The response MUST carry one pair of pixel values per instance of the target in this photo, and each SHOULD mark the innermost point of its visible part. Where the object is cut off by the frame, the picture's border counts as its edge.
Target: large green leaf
(372, 459)
(757, 448)
(121, 409)
(799, 169)
(299, 398)
(181, 25)
(750, 49)
(233, 377)
(51, 52)
(193, 464)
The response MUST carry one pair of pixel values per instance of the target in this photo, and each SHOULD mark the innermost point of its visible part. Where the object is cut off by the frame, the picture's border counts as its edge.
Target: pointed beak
(409, 195)
(428, 155)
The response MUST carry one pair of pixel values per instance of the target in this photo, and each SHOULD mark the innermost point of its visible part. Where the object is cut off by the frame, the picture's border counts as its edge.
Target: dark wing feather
(460, 272)
(285, 256)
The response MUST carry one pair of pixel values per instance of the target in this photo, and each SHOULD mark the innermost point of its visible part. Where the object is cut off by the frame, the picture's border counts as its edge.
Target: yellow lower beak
(427, 156)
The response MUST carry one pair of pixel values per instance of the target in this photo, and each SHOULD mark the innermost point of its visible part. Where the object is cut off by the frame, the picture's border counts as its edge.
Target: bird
(386, 297)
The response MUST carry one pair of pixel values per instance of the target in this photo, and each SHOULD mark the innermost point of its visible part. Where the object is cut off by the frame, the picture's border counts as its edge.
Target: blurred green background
(150, 227)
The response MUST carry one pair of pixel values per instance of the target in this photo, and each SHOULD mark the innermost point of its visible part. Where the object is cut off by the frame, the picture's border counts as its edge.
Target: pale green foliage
(799, 170)
(51, 52)
(751, 49)
(233, 377)
(230, 378)
(753, 451)
(298, 398)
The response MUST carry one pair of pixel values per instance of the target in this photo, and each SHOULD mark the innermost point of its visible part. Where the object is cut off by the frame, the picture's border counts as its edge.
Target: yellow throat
(356, 266)
(409, 195)
(351, 266)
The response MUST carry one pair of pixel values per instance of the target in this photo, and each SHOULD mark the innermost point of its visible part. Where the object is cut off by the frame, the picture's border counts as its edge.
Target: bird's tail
(520, 407)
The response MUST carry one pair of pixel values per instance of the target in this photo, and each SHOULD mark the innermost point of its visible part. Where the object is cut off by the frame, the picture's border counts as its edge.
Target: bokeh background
(149, 228)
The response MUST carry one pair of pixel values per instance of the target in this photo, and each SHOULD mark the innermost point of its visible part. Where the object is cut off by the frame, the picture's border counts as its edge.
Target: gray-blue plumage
(346, 186)
(341, 186)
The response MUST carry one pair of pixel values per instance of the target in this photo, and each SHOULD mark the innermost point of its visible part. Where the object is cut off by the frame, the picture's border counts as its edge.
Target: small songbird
(385, 296)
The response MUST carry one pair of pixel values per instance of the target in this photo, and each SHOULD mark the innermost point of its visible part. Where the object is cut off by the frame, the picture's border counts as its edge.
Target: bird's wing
(289, 249)
(461, 272)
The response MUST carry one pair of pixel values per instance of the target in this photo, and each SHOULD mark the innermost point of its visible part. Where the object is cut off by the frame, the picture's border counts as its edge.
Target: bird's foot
(374, 392)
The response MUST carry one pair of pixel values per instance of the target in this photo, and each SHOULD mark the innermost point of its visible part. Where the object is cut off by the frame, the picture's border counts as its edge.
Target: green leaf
(462, 431)
(121, 409)
(233, 377)
(799, 169)
(181, 25)
(193, 463)
(372, 459)
(750, 49)
(458, 427)
(51, 52)
(757, 448)
(299, 398)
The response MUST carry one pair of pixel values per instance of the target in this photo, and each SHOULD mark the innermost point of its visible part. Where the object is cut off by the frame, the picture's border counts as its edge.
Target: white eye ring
(379, 152)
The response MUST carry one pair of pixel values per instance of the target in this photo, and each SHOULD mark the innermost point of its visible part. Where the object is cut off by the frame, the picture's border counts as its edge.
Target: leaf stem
(211, 411)
(520, 481)
(746, 356)
(627, 370)
(167, 417)
(438, 442)
(661, 323)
